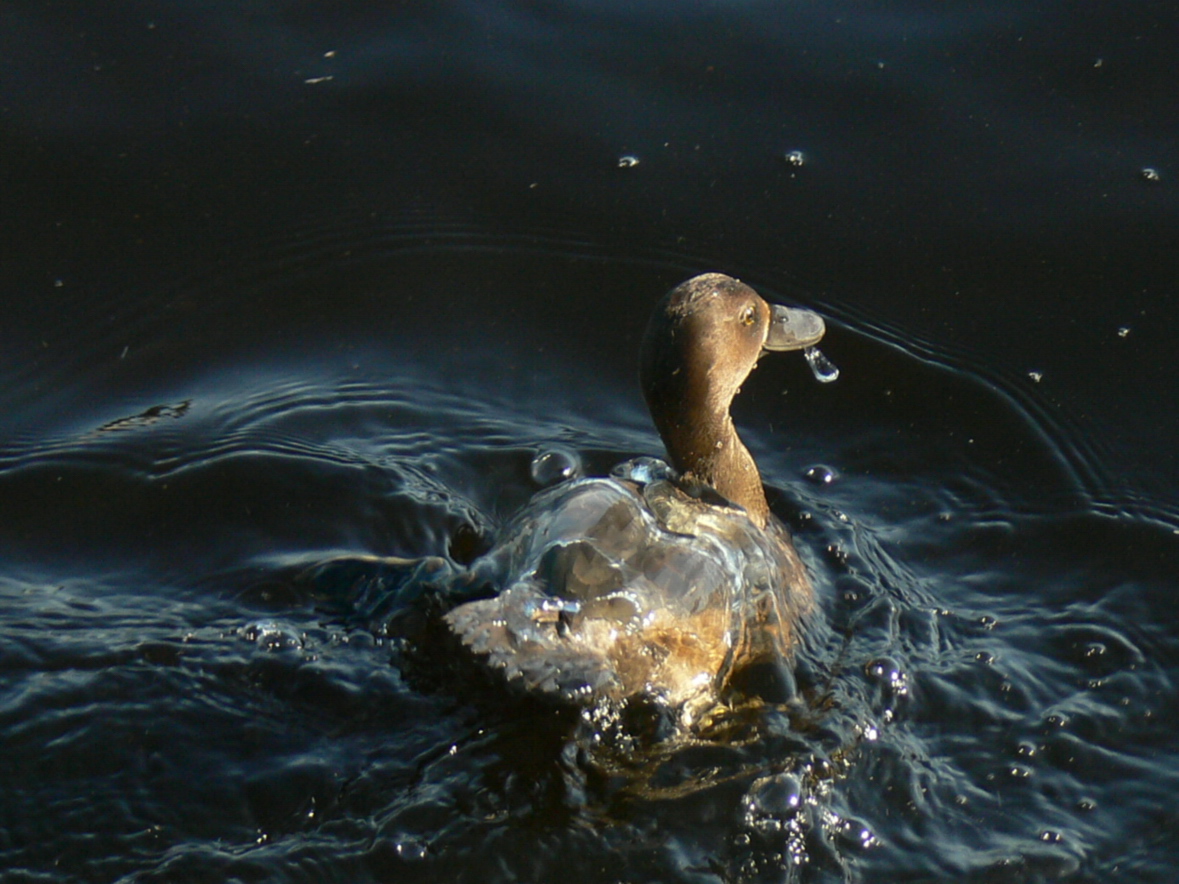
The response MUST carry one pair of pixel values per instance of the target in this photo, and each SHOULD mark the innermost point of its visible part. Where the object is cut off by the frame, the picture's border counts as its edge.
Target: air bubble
(824, 370)
(837, 554)
(881, 669)
(411, 849)
(855, 834)
(820, 474)
(775, 796)
(644, 470)
(271, 635)
(553, 465)
(887, 673)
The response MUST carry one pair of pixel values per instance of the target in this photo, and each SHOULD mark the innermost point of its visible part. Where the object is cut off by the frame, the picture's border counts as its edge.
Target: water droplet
(628, 161)
(1151, 175)
(824, 370)
(552, 465)
(794, 158)
(820, 474)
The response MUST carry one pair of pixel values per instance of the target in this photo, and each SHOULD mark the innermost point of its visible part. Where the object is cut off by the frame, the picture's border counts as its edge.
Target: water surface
(257, 319)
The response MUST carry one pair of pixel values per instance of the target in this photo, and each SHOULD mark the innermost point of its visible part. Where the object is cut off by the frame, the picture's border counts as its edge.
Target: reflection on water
(983, 693)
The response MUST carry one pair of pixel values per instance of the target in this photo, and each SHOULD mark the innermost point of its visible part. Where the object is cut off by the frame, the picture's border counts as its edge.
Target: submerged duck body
(658, 582)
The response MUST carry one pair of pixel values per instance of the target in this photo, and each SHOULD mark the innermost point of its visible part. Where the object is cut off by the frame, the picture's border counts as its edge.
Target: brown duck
(656, 582)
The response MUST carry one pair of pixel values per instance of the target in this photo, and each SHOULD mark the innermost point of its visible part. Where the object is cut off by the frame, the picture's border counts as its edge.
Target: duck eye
(748, 316)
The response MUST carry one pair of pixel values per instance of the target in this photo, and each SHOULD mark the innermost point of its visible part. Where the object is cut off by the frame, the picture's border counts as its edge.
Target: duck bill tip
(793, 328)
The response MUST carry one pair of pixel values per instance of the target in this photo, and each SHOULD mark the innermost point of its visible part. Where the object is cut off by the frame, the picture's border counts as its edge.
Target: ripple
(986, 669)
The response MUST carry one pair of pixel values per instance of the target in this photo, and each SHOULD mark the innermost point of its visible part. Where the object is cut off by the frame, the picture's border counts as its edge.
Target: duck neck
(704, 447)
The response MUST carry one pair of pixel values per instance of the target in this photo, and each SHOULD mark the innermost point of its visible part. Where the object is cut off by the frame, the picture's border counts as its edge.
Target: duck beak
(792, 328)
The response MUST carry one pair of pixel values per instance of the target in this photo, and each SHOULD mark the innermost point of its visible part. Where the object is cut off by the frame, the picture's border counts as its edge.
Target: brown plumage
(645, 585)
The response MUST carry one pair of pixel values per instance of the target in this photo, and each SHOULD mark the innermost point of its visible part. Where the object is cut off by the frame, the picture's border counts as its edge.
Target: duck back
(615, 588)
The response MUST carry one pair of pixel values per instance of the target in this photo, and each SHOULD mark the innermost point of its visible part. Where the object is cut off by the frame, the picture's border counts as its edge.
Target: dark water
(285, 282)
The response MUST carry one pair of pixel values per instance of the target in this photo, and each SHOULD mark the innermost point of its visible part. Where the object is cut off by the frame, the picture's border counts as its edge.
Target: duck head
(702, 341)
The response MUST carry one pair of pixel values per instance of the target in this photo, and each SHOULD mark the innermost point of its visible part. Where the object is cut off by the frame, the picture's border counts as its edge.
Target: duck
(664, 580)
